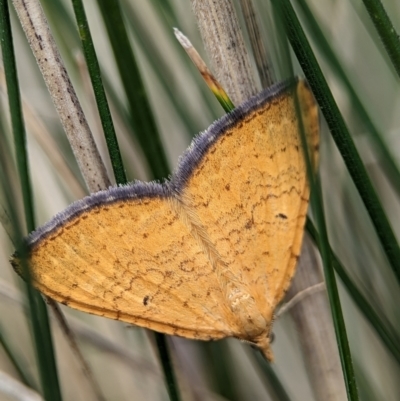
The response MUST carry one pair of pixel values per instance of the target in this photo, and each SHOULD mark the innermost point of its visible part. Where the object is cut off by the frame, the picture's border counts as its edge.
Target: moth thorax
(246, 311)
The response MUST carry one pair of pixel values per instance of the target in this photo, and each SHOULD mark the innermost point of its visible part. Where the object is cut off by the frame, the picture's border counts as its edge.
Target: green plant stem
(142, 118)
(386, 31)
(17, 122)
(149, 45)
(17, 366)
(341, 136)
(146, 131)
(382, 327)
(166, 362)
(38, 312)
(384, 154)
(100, 95)
(330, 280)
(274, 384)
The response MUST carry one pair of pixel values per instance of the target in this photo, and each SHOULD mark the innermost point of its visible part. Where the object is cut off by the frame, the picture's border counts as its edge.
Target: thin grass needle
(207, 75)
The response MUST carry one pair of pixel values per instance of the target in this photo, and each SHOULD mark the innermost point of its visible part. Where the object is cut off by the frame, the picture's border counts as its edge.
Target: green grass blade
(220, 358)
(5, 153)
(101, 99)
(146, 131)
(386, 31)
(382, 327)
(342, 137)
(141, 116)
(384, 154)
(333, 293)
(7, 195)
(274, 383)
(16, 364)
(17, 123)
(166, 362)
(57, 12)
(166, 11)
(38, 312)
(148, 45)
(283, 9)
(330, 280)
(316, 203)
(63, 27)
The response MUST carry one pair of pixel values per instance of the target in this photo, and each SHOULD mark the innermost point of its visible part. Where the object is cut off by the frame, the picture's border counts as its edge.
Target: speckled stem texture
(223, 40)
(41, 41)
(263, 61)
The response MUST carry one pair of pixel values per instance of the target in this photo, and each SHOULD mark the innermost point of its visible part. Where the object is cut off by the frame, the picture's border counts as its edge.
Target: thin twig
(207, 75)
(41, 41)
(224, 43)
(36, 127)
(286, 307)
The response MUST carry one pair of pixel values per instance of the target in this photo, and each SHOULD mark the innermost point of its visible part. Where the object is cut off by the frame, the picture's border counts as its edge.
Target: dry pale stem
(263, 62)
(46, 141)
(41, 41)
(16, 390)
(223, 40)
(314, 325)
(70, 335)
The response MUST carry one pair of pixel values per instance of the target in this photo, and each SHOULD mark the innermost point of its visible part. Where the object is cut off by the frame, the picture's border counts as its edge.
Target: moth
(205, 255)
